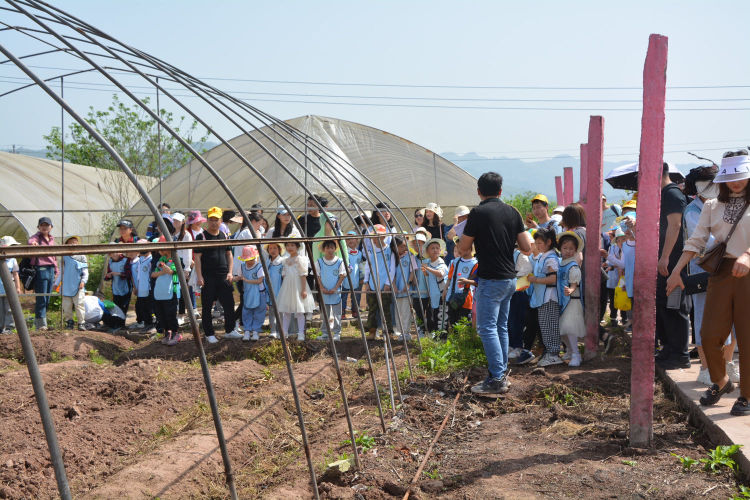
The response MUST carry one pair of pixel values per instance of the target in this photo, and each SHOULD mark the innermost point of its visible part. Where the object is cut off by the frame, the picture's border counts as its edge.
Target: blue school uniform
(166, 286)
(434, 283)
(381, 263)
(404, 271)
(254, 298)
(628, 252)
(464, 268)
(329, 276)
(72, 275)
(563, 280)
(13, 268)
(274, 277)
(354, 257)
(141, 271)
(538, 290)
(420, 289)
(120, 284)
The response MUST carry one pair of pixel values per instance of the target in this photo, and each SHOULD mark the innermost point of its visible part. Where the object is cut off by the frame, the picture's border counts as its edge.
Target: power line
(456, 160)
(440, 86)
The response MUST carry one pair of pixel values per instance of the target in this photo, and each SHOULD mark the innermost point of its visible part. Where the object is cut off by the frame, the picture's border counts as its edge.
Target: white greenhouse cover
(35, 185)
(409, 174)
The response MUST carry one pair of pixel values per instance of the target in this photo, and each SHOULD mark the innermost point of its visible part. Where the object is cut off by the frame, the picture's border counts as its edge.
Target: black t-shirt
(673, 201)
(437, 231)
(213, 260)
(310, 225)
(495, 227)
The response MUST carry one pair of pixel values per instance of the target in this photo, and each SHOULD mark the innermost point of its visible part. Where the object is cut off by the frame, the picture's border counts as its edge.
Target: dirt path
(133, 422)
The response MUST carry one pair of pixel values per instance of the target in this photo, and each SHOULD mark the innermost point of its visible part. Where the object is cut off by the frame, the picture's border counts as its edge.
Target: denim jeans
(493, 305)
(45, 276)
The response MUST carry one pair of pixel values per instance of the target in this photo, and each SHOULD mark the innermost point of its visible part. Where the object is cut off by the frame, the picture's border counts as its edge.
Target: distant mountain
(536, 176)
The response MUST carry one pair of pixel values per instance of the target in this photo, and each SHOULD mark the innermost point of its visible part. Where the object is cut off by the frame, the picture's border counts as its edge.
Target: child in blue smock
(166, 296)
(275, 266)
(569, 276)
(6, 318)
(434, 270)
(119, 272)
(331, 274)
(459, 294)
(75, 274)
(544, 294)
(380, 273)
(144, 303)
(406, 265)
(353, 258)
(420, 298)
(254, 300)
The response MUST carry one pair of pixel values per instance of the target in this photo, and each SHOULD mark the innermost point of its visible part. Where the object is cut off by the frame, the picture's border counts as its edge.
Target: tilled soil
(133, 421)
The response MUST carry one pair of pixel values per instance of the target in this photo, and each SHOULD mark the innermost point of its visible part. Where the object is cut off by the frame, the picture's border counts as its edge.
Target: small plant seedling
(433, 474)
(743, 493)
(719, 457)
(97, 358)
(364, 442)
(629, 463)
(686, 462)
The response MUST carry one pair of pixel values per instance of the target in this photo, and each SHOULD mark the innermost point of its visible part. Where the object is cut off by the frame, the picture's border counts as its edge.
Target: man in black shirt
(213, 267)
(672, 325)
(494, 228)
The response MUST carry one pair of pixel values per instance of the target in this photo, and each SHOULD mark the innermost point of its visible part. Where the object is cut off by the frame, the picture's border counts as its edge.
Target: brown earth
(133, 422)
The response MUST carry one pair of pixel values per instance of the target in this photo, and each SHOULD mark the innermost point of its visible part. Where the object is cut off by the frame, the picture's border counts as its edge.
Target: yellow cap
(629, 204)
(215, 212)
(540, 197)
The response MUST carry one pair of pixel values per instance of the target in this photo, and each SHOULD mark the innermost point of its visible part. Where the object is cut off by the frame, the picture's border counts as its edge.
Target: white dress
(572, 322)
(289, 299)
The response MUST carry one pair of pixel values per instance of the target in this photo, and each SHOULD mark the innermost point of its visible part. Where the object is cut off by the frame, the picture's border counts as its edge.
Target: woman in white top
(729, 287)
(182, 233)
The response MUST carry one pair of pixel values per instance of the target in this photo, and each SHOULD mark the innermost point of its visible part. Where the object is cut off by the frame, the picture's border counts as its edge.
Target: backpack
(27, 274)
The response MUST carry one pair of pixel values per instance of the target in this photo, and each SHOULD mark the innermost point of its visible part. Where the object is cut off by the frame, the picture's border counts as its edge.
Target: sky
(391, 48)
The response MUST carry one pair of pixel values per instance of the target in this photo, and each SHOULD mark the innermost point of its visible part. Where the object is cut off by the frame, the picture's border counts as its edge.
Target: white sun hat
(733, 168)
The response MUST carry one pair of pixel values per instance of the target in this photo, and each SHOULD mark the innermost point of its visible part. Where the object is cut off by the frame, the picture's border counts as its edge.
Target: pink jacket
(43, 261)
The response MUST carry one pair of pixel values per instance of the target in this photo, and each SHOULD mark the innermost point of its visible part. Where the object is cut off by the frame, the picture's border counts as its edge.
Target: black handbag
(27, 274)
(696, 283)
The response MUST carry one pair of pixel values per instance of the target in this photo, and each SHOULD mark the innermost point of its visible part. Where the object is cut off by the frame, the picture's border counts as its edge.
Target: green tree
(522, 202)
(133, 134)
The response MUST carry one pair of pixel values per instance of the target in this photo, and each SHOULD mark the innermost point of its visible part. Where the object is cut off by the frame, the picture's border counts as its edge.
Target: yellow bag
(622, 301)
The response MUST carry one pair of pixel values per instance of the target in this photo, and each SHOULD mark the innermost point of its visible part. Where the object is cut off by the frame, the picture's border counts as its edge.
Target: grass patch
(56, 357)
(97, 358)
(272, 353)
(363, 441)
(462, 349)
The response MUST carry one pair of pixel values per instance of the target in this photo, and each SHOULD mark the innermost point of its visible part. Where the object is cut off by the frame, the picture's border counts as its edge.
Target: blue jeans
(493, 305)
(45, 277)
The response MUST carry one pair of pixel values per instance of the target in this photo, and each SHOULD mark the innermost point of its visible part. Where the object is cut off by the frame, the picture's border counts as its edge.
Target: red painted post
(559, 190)
(584, 170)
(569, 189)
(647, 246)
(591, 256)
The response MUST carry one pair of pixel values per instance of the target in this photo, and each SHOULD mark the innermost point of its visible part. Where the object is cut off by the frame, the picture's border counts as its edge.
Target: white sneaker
(733, 371)
(273, 335)
(575, 359)
(234, 334)
(337, 337)
(180, 320)
(704, 377)
(254, 336)
(549, 360)
(212, 339)
(246, 337)
(300, 337)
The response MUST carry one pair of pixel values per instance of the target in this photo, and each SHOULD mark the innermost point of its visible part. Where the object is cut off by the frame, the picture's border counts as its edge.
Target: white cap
(178, 216)
(733, 168)
(8, 241)
(707, 189)
(461, 210)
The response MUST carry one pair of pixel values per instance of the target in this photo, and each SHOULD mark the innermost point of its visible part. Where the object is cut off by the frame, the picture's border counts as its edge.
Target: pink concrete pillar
(647, 246)
(559, 190)
(583, 175)
(569, 189)
(591, 256)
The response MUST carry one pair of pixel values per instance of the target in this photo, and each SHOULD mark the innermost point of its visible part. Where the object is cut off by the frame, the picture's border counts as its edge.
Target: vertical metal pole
(36, 381)
(647, 236)
(62, 195)
(592, 258)
(158, 142)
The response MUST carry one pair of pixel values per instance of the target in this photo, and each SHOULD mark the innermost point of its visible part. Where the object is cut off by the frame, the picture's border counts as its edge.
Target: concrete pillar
(569, 188)
(559, 190)
(647, 242)
(592, 258)
(582, 178)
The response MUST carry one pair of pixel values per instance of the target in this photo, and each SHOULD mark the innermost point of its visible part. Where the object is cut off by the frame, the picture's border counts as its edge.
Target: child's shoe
(733, 371)
(246, 336)
(549, 359)
(82, 327)
(234, 334)
(254, 336)
(69, 324)
(301, 337)
(167, 337)
(211, 339)
(336, 337)
(378, 334)
(575, 359)
(175, 339)
(273, 335)
(703, 377)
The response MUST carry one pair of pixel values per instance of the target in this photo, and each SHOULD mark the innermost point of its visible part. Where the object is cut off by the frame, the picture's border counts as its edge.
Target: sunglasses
(418, 215)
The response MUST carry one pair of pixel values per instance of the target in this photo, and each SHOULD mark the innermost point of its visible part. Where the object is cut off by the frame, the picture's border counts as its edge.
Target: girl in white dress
(294, 298)
(572, 326)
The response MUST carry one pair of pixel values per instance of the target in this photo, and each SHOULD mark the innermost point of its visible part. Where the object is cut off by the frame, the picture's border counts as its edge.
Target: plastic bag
(622, 301)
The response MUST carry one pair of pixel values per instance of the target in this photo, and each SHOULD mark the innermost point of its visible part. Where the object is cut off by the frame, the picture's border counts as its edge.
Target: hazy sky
(441, 43)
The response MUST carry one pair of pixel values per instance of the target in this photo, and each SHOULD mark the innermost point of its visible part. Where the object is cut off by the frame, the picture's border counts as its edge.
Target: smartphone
(674, 299)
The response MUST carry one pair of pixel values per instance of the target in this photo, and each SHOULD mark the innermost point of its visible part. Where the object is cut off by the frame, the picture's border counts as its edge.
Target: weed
(272, 353)
(433, 474)
(313, 333)
(403, 377)
(561, 394)
(630, 463)
(719, 457)
(686, 462)
(462, 349)
(363, 441)
(56, 357)
(743, 493)
(97, 358)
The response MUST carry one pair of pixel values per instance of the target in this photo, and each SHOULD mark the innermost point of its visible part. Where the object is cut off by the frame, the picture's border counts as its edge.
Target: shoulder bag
(711, 260)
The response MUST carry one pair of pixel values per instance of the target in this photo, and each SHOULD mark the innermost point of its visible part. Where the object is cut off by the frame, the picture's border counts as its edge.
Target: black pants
(432, 318)
(144, 310)
(166, 314)
(672, 325)
(418, 309)
(373, 312)
(122, 301)
(216, 287)
(532, 331)
(238, 311)
(613, 311)
(455, 315)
